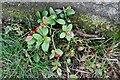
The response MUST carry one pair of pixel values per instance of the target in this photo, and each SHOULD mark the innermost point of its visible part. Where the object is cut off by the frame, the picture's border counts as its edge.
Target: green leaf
(47, 39)
(62, 15)
(40, 31)
(58, 51)
(64, 27)
(45, 13)
(38, 43)
(52, 55)
(68, 60)
(45, 31)
(58, 11)
(73, 76)
(39, 20)
(54, 63)
(29, 46)
(62, 35)
(68, 20)
(51, 21)
(38, 15)
(68, 37)
(36, 57)
(45, 46)
(52, 12)
(60, 21)
(59, 64)
(31, 42)
(53, 16)
(69, 27)
(70, 12)
(98, 71)
(37, 36)
(68, 7)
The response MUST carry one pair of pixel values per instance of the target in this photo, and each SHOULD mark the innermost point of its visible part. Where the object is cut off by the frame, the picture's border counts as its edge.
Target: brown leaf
(28, 38)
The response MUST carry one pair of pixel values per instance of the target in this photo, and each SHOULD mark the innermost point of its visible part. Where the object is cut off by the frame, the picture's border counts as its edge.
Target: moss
(15, 14)
(94, 24)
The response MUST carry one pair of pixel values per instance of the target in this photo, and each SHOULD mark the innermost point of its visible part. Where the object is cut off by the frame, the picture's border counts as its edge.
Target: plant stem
(53, 40)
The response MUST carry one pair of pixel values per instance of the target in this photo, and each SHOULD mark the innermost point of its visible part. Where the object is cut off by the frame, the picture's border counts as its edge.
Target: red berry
(34, 31)
(57, 56)
(40, 27)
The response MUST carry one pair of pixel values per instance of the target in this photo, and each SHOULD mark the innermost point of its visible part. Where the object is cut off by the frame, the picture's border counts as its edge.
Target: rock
(108, 9)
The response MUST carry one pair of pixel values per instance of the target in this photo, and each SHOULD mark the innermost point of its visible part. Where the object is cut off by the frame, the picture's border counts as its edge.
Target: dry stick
(78, 70)
(92, 37)
(68, 75)
(53, 40)
(85, 35)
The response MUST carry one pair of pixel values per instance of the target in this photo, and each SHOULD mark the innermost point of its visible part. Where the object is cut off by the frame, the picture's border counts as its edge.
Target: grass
(17, 64)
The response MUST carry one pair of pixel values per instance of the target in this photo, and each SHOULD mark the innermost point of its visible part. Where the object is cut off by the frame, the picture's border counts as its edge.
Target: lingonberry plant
(42, 36)
(67, 33)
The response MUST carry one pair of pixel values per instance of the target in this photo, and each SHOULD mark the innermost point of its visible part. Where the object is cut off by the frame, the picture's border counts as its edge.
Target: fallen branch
(85, 35)
(78, 70)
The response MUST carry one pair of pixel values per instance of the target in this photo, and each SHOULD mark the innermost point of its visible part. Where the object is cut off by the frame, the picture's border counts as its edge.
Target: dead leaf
(72, 53)
(59, 71)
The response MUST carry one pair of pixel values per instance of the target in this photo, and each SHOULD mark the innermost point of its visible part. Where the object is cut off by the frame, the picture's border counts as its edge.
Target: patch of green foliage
(51, 52)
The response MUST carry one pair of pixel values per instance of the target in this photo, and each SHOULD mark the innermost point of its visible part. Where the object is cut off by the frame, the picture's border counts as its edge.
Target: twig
(97, 38)
(68, 75)
(78, 70)
(106, 41)
(85, 35)
(53, 40)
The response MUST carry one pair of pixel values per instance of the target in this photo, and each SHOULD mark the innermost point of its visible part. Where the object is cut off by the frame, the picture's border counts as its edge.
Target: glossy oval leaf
(47, 39)
(45, 46)
(58, 51)
(58, 11)
(36, 57)
(37, 36)
(38, 43)
(62, 15)
(38, 15)
(64, 27)
(68, 37)
(70, 27)
(31, 42)
(52, 55)
(60, 21)
(52, 12)
(51, 22)
(40, 31)
(45, 31)
(39, 20)
(70, 12)
(62, 35)
(44, 13)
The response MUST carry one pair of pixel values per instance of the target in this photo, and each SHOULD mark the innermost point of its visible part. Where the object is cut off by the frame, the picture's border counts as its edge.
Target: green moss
(15, 14)
(94, 24)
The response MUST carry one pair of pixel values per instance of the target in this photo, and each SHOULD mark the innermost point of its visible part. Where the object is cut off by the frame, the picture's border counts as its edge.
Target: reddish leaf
(28, 38)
